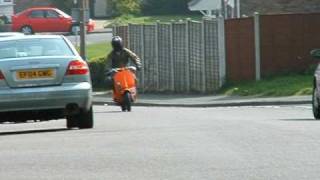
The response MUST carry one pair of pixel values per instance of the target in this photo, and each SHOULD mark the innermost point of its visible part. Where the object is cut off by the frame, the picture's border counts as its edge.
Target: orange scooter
(124, 91)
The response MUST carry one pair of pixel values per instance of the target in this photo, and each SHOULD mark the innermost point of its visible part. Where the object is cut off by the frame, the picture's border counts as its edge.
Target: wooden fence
(182, 56)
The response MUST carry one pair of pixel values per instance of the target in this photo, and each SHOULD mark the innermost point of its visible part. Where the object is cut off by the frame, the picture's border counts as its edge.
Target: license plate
(36, 74)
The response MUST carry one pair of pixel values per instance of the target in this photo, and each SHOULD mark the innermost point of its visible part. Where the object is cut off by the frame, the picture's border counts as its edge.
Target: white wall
(100, 8)
(6, 8)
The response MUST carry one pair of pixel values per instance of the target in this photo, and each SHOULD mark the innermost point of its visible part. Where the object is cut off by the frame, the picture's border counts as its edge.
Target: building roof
(193, 2)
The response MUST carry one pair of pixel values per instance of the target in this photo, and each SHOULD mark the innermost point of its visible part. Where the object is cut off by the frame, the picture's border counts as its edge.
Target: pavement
(101, 27)
(195, 100)
(99, 31)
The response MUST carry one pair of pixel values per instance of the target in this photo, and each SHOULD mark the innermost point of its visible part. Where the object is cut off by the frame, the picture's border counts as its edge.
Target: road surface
(92, 38)
(168, 143)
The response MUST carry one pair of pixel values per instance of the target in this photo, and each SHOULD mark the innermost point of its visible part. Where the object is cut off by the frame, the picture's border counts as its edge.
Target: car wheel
(72, 122)
(26, 30)
(85, 119)
(75, 29)
(315, 104)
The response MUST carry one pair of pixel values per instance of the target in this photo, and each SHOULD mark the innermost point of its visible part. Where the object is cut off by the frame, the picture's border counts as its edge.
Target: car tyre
(75, 29)
(315, 104)
(27, 30)
(85, 119)
(72, 122)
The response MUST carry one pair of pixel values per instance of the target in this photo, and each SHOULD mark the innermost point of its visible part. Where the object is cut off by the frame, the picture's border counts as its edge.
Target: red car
(45, 19)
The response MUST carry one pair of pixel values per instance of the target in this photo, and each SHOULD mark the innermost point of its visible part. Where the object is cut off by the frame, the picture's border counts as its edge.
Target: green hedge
(97, 68)
(153, 7)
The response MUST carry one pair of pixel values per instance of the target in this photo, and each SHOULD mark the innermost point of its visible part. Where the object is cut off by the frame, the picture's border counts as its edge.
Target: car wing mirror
(315, 53)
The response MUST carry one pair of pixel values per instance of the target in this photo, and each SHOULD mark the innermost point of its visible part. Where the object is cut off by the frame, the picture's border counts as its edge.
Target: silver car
(44, 78)
(9, 34)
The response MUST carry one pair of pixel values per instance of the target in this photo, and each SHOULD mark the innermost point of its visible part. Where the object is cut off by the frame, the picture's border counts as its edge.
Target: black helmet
(117, 43)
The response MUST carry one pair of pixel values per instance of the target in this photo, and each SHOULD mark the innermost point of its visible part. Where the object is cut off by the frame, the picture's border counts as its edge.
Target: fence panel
(149, 61)
(164, 57)
(196, 56)
(135, 44)
(211, 55)
(286, 42)
(179, 54)
(240, 49)
(122, 31)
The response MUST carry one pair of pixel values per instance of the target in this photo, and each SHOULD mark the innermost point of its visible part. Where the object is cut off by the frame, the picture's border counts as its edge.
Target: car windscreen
(34, 48)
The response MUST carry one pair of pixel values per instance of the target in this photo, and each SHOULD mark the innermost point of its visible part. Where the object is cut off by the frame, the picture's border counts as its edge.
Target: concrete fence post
(187, 70)
(142, 57)
(114, 30)
(203, 55)
(172, 78)
(157, 54)
(129, 36)
(257, 45)
(222, 51)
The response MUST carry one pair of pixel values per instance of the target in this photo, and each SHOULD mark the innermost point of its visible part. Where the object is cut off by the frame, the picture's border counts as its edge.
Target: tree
(165, 6)
(127, 6)
(64, 5)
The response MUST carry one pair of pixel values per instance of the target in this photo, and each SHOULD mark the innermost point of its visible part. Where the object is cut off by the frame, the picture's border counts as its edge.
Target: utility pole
(237, 8)
(83, 7)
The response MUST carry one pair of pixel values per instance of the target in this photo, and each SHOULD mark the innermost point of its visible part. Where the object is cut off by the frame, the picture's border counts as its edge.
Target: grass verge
(98, 51)
(285, 85)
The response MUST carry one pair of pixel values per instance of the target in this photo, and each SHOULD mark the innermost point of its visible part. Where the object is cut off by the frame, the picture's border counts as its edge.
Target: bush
(125, 7)
(97, 68)
(157, 7)
(64, 5)
(4, 19)
(4, 27)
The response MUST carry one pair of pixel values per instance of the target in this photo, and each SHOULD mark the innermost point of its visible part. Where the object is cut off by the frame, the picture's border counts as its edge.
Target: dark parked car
(316, 86)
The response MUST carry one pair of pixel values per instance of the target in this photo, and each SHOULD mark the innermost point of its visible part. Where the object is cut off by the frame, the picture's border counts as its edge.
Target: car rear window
(37, 14)
(33, 48)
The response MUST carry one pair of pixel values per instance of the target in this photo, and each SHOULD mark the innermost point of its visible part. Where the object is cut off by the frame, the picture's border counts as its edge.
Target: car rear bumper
(41, 98)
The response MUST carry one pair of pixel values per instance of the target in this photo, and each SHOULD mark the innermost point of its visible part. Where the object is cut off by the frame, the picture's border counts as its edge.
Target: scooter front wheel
(127, 101)
(123, 107)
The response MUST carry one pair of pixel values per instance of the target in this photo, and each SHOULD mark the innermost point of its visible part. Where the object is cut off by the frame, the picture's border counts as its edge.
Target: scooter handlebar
(115, 70)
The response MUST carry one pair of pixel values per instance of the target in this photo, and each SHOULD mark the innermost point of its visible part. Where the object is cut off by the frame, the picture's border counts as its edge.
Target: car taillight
(1, 76)
(77, 67)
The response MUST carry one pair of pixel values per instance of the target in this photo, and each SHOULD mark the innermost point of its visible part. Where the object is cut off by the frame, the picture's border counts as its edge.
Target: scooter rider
(119, 57)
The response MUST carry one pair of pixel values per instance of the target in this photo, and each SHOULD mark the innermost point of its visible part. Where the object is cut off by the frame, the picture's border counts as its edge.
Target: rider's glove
(139, 68)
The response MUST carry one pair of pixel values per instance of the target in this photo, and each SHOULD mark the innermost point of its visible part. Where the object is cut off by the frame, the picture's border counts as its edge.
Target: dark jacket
(121, 59)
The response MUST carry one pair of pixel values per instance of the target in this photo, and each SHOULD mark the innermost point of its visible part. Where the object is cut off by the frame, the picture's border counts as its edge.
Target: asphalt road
(92, 38)
(168, 143)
